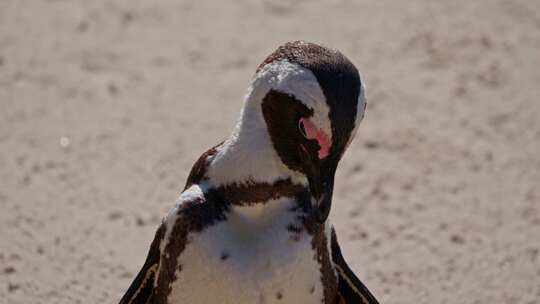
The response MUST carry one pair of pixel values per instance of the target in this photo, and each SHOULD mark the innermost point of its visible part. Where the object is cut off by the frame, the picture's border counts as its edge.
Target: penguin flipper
(350, 288)
(141, 289)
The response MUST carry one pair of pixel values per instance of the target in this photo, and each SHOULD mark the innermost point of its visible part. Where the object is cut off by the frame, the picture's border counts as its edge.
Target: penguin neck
(248, 155)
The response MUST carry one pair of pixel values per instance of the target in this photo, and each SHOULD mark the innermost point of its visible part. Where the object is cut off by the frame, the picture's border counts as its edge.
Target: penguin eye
(301, 128)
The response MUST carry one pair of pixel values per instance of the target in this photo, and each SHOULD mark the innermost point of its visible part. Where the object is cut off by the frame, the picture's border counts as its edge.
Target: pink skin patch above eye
(312, 132)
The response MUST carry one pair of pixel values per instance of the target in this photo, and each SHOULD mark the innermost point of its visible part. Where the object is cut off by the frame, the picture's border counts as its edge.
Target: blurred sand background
(105, 105)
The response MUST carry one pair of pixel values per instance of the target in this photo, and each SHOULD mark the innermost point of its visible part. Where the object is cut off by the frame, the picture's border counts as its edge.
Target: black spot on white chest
(250, 256)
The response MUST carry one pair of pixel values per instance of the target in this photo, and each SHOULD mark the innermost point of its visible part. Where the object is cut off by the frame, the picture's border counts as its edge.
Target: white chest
(250, 258)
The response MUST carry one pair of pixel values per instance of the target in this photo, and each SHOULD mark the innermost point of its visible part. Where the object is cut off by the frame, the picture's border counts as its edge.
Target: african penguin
(251, 225)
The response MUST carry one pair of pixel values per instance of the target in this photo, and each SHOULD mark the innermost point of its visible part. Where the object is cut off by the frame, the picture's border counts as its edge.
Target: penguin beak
(320, 175)
(322, 190)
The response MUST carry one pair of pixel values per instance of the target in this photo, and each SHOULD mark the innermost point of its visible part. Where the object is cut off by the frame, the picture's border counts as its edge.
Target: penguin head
(312, 101)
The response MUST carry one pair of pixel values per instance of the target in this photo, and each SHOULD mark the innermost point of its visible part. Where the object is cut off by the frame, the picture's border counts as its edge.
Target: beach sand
(105, 105)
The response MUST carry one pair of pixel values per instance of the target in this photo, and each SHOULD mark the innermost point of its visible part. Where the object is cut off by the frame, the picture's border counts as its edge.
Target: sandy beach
(105, 106)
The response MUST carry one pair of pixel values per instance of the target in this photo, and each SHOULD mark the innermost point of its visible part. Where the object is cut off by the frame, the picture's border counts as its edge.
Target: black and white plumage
(251, 225)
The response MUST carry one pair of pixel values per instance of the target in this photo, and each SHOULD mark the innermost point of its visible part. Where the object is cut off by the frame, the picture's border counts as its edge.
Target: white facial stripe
(360, 111)
(234, 161)
(293, 79)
